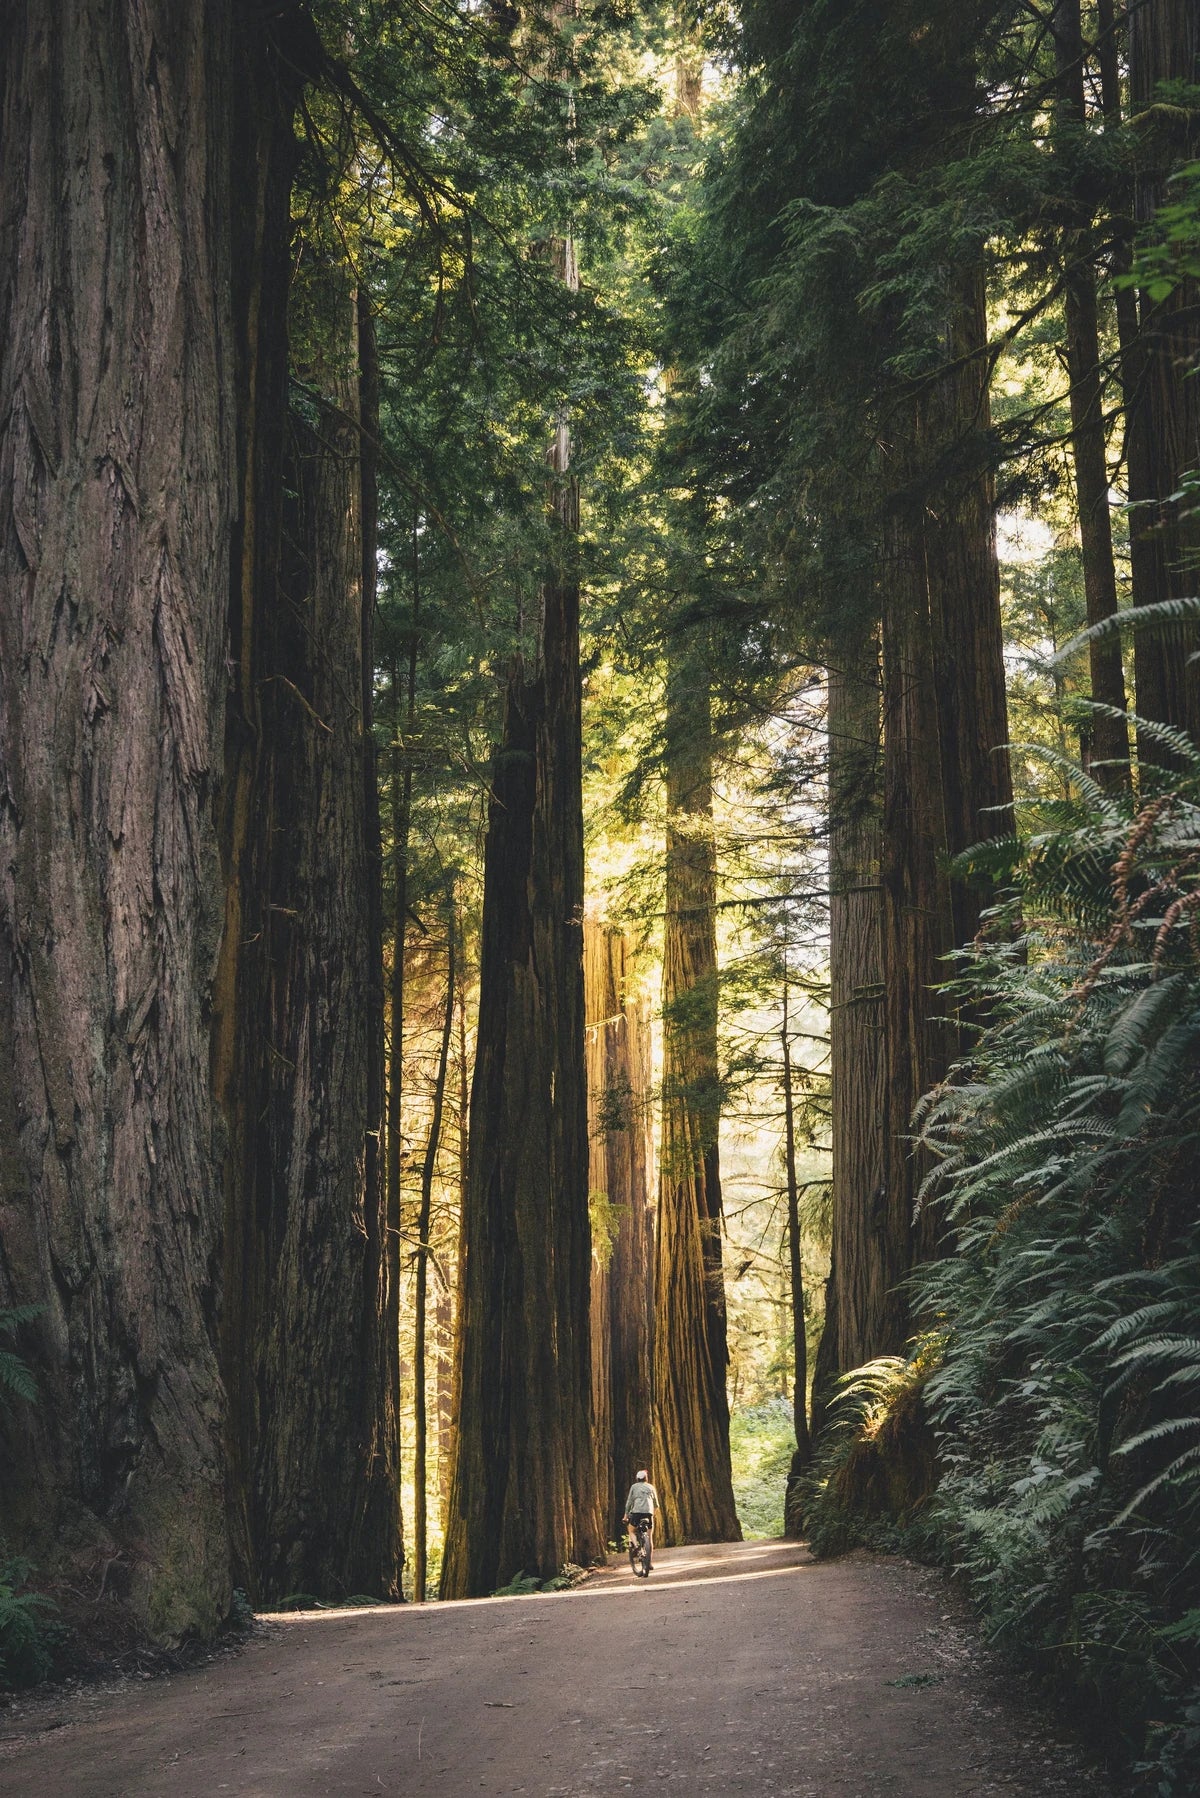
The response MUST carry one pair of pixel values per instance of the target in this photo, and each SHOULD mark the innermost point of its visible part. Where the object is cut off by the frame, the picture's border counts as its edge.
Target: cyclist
(641, 1505)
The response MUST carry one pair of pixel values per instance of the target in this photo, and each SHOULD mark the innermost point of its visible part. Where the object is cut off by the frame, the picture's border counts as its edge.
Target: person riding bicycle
(642, 1503)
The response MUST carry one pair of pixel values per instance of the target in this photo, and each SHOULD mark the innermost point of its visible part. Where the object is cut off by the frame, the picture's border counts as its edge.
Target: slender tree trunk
(424, 1225)
(1164, 45)
(401, 782)
(691, 1420)
(858, 1319)
(117, 496)
(803, 1455)
(1109, 737)
(380, 1353)
(524, 1384)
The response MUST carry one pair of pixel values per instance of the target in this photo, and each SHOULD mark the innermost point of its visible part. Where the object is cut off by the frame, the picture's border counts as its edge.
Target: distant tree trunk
(314, 1288)
(623, 1262)
(1164, 45)
(858, 1300)
(116, 512)
(424, 1226)
(691, 1415)
(524, 1385)
(1109, 737)
(401, 784)
(803, 1455)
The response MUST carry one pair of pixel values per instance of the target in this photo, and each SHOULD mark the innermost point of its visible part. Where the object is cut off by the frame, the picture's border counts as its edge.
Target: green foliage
(762, 1443)
(30, 1634)
(874, 1472)
(1067, 1405)
(16, 1380)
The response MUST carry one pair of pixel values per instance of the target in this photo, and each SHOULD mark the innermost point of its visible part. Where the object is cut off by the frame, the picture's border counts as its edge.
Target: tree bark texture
(1109, 737)
(116, 504)
(947, 780)
(305, 1313)
(524, 1495)
(1164, 400)
(619, 1076)
(691, 1355)
(858, 1319)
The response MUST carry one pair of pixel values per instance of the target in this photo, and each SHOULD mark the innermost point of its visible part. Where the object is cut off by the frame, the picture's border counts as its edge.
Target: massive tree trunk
(947, 781)
(691, 1404)
(1164, 400)
(618, 1074)
(116, 504)
(304, 1313)
(524, 1492)
(1109, 737)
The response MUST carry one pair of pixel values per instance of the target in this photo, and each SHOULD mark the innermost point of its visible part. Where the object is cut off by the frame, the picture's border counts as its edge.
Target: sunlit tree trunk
(117, 497)
(420, 1306)
(623, 1257)
(803, 1455)
(691, 1405)
(524, 1380)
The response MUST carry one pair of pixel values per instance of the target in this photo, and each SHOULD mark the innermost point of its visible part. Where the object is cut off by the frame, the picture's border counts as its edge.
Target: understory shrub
(1064, 1398)
(30, 1633)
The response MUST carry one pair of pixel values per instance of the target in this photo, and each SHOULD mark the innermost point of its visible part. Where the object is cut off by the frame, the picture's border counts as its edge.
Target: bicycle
(641, 1546)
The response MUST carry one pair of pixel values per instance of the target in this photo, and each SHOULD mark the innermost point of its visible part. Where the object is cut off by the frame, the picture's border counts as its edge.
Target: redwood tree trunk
(858, 1301)
(947, 781)
(524, 1493)
(623, 1262)
(1109, 737)
(307, 1314)
(1164, 45)
(116, 506)
(691, 1404)
(421, 1305)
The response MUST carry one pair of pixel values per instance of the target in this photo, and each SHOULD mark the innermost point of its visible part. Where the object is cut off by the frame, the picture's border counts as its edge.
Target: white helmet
(642, 1474)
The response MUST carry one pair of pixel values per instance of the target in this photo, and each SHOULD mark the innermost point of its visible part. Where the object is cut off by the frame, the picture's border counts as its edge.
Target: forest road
(745, 1668)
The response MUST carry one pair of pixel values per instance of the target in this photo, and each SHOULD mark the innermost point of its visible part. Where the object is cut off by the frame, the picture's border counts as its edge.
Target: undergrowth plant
(30, 1633)
(1067, 1402)
(1063, 1392)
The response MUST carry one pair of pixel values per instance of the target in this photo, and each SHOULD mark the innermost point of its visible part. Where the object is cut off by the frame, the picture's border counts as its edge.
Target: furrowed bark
(623, 1259)
(691, 1404)
(117, 497)
(524, 1393)
(313, 1289)
(857, 1295)
(947, 780)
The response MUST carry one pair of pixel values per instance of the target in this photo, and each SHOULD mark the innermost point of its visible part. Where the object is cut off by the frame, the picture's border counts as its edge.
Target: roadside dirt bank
(745, 1669)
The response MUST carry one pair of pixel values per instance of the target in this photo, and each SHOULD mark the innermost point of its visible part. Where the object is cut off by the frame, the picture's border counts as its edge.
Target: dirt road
(744, 1669)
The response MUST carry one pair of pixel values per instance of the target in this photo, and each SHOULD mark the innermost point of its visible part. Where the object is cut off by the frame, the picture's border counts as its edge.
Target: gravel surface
(746, 1668)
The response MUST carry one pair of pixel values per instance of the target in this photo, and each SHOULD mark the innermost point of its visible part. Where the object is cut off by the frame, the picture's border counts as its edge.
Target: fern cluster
(1067, 1402)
